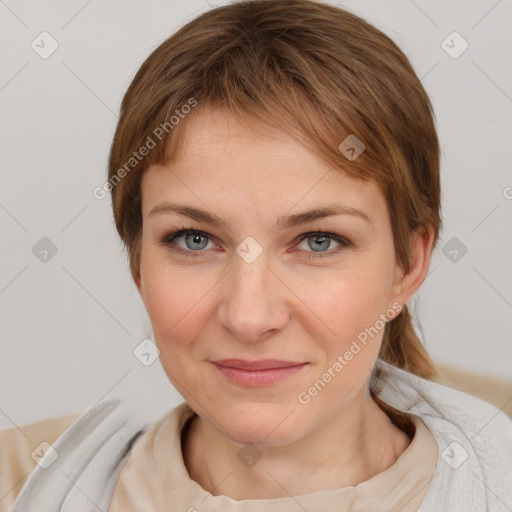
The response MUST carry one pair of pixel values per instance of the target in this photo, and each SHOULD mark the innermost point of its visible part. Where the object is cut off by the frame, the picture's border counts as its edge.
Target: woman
(275, 179)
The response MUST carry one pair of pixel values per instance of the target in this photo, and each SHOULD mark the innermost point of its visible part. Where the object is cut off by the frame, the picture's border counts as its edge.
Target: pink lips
(257, 373)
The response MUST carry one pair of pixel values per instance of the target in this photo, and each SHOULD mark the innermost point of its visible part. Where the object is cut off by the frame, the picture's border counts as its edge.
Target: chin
(260, 424)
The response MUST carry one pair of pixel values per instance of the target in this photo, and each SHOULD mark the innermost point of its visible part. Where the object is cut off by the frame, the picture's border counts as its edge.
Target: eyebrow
(283, 221)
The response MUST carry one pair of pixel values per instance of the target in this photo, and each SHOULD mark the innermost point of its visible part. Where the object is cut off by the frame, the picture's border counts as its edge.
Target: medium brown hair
(314, 70)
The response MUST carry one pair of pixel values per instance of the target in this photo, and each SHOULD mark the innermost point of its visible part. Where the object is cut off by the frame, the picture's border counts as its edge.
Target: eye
(195, 241)
(320, 240)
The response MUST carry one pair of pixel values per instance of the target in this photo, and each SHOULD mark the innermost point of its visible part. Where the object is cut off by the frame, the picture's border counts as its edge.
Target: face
(265, 283)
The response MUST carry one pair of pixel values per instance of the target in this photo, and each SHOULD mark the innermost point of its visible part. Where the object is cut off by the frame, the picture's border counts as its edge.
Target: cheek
(175, 300)
(176, 307)
(348, 302)
(349, 335)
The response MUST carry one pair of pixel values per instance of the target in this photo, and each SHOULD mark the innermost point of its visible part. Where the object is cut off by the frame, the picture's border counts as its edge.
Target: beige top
(155, 476)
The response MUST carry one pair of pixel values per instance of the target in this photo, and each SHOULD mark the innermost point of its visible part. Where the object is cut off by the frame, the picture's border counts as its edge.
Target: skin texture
(283, 306)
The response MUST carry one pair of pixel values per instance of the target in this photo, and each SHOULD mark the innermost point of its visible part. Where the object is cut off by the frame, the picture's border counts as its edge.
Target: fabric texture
(20, 449)
(473, 469)
(155, 476)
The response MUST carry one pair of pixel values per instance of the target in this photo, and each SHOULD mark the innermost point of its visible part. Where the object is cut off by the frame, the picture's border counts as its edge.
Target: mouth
(257, 373)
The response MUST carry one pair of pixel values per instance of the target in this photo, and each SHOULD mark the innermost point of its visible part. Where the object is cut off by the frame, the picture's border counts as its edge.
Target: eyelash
(167, 240)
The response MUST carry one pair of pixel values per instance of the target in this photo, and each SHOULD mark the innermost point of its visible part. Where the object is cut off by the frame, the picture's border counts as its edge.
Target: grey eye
(193, 241)
(318, 243)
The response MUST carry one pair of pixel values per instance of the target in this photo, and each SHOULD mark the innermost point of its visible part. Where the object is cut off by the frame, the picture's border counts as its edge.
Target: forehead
(225, 161)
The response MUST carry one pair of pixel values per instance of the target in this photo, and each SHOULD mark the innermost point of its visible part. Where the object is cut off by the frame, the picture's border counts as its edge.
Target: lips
(263, 364)
(264, 372)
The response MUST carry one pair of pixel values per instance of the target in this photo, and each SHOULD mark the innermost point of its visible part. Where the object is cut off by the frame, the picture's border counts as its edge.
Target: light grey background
(70, 325)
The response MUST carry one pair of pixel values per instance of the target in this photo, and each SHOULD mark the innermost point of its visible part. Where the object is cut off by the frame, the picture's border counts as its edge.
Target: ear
(420, 247)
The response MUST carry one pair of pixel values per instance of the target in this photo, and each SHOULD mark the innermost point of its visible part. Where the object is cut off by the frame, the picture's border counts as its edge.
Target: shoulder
(497, 392)
(22, 447)
(159, 448)
(474, 439)
(90, 454)
(462, 398)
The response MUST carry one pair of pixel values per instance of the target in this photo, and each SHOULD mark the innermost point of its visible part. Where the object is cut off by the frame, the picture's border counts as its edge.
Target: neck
(353, 447)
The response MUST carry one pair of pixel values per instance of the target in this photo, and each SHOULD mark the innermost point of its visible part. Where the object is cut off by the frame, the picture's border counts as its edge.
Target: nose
(254, 303)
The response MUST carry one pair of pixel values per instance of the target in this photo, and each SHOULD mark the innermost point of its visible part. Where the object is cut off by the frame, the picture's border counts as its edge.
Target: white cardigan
(473, 472)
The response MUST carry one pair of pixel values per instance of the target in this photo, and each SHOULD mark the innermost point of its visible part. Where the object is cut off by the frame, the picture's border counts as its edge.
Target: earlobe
(420, 251)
